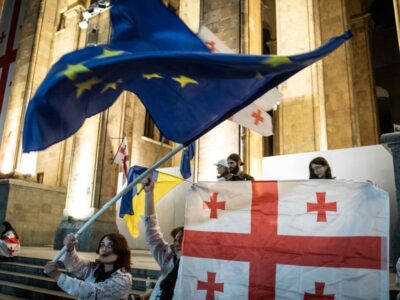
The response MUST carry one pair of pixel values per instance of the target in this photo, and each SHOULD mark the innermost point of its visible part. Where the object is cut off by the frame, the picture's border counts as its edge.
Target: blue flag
(187, 156)
(186, 89)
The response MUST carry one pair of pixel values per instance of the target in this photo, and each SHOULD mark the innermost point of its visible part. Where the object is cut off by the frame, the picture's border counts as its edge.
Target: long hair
(323, 162)
(8, 227)
(121, 249)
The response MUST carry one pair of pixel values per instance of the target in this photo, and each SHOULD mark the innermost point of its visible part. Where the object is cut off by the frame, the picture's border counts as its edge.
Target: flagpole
(119, 195)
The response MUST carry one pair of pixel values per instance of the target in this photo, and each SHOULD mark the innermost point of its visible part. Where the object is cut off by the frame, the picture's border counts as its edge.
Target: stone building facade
(329, 105)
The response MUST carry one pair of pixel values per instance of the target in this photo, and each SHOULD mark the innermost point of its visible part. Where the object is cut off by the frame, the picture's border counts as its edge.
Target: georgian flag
(122, 156)
(316, 239)
(11, 20)
(253, 116)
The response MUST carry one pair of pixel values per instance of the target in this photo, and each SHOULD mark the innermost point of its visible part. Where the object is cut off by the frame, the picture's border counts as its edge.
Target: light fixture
(103, 4)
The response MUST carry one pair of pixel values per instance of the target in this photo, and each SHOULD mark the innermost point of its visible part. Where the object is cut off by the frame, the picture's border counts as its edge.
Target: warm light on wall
(80, 186)
(27, 163)
(7, 156)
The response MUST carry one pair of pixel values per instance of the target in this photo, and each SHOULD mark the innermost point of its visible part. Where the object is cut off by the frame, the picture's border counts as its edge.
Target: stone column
(396, 6)
(21, 89)
(222, 18)
(393, 142)
(252, 40)
(364, 86)
(318, 110)
(92, 179)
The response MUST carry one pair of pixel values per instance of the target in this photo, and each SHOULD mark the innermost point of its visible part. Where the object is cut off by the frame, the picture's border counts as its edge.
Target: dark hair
(167, 285)
(235, 157)
(176, 230)
(323, 162)
(121, 249)
(8, 227)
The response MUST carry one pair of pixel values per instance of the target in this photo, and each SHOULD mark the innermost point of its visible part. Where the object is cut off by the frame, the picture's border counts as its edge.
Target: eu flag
(186, 89)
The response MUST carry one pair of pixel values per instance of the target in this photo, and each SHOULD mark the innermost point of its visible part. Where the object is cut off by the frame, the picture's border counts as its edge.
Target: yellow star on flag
(152, 75)
(107, 86)
(73, 70)
(183, 80)
(86, 85)
(110, 53)
(274, 60)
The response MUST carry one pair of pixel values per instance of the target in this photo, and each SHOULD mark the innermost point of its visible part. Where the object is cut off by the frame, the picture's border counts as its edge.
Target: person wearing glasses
(108, 277)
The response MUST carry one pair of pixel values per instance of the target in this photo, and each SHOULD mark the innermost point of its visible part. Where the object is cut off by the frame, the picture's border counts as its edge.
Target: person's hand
(148, 184)
(51, 270)
(70, 241)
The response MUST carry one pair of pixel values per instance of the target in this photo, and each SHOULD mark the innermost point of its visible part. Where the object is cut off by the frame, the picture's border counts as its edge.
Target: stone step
(33, 280)
(31, 292)
(23, 268)
(15, 269)
(8, 297)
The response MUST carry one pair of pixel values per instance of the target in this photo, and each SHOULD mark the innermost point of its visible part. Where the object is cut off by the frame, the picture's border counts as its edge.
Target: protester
(106, 278)
(167, 257)
(9, 240)
(223, 170)
(234, 163)
(319, 169)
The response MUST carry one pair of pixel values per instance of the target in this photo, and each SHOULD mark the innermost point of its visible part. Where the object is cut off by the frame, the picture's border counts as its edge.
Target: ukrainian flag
(132, 205)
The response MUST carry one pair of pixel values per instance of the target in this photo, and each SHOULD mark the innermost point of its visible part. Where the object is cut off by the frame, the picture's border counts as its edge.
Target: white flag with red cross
(122, 156)
(11, 20)
(315, 239)
(254, 116)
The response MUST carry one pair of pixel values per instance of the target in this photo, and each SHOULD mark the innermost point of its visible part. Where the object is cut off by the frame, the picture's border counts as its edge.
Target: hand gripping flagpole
(118, 196)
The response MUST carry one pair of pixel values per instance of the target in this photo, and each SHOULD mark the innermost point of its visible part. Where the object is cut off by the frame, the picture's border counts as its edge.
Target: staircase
(23, 278)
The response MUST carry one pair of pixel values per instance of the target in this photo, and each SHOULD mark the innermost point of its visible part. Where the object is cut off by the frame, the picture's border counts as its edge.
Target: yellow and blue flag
(132, 204)
(186, 89)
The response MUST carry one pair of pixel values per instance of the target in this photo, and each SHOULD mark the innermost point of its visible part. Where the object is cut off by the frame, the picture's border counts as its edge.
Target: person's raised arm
(148, 186)
(157, 245)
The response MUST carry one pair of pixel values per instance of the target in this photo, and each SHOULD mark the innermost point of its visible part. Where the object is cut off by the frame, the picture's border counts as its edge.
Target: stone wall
(33, 209)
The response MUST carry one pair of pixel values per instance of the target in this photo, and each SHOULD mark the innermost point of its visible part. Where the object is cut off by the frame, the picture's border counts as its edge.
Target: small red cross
(210, 286)
(319, 293)
(257, 117)
(213, 205)
(211, 45)
(2, 37)
(11, 250)
(122, 150)
(321, 207)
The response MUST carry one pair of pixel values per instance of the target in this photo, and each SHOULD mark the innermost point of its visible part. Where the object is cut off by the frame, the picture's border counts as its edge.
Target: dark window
(151, 131)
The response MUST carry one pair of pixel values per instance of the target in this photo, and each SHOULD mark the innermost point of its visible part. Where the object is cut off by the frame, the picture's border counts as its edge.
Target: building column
(364, 86)
(318, 110)
(252, 41)
(396, 6)
(92, 177)
(21, 89)
(223, 18)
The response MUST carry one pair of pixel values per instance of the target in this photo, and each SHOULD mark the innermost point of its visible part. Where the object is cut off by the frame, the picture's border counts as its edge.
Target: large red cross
(257, 117)
(213, 205)
(10, 55)
(211, 286)
(321, 207)
(263, 248)
(319, 293)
